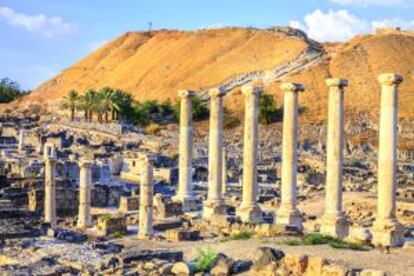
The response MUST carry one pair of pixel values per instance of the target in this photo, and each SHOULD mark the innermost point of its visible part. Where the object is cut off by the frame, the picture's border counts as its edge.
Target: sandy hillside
(155, 65)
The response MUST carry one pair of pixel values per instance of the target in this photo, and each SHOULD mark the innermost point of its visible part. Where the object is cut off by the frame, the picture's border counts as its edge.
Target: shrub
(205, 260)
(316, 239)
(268, 112)
(242, 235)
(153, 129)
(166, 108)
(117, 235)
(293, 242)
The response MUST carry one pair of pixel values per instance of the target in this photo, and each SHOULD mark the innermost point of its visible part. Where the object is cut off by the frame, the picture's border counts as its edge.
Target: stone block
(182, 235)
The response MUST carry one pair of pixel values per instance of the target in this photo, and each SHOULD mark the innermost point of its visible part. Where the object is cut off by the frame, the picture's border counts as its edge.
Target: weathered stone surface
(265, 257)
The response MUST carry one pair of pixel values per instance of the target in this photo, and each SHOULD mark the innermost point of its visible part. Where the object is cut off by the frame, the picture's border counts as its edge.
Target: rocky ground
(29, 249)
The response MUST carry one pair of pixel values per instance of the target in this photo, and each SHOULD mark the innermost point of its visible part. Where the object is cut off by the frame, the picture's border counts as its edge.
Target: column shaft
(215, 203)
(387, 231)
(334, 222)
(146, 200)
(50, 191)
(224, 172)
(288, 213)
(85, 187)
(249, 209)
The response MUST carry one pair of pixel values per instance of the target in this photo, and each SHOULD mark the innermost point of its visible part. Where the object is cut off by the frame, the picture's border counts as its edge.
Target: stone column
(214, 204)
(50, 188)
(146, 200)
(334, 223)
(185, 187)
(249, 210)
(224, 172)
(21, 139)
(386, 230)
(85, 189)
(288, 213)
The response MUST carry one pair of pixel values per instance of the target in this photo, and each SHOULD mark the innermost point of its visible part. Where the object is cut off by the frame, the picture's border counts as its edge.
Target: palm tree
(88, 100)
(123, 101)
(71, 102)
(107, 102)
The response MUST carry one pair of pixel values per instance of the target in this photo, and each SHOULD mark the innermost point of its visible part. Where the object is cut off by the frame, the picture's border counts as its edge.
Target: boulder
(222, 266)
(266, 259)
(183, 269)
(315, 266)
(294, 264)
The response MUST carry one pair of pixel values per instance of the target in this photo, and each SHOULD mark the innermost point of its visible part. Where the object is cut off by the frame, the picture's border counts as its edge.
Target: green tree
(87, 101)
(107, 102)
(268, 112)
(71, 101)
(10, 90)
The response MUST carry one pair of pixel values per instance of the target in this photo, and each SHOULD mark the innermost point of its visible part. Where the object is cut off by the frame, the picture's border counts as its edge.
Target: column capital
(390, 79)
(255, 88)
(86, 164)
(340, 83)
(186, 93)
(217, 92)
(292, 87)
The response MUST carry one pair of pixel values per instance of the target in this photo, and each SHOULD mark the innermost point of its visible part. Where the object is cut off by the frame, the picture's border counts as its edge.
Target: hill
(155, 65)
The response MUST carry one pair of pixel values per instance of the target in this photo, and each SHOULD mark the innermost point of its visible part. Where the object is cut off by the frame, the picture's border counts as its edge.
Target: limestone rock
(266, 259)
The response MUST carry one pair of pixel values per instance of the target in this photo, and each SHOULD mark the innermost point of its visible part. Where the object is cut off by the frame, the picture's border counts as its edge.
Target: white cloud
(369, 2)
(341, 25)
(331, 26)
(47, 26)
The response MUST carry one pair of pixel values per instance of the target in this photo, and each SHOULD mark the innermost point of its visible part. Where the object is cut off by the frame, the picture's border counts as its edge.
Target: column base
(144, 236)
(334, 225)
(387, 233)
(251, 213)
(289, 217)
(214, 208)
(189, 203)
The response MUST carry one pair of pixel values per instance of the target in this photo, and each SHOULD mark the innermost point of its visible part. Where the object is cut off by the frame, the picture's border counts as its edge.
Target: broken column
(224, 172)
(386, 230)
(334, 223)
(185, 187)
(214, 204)
(50, 159)
(21, 139)
(288, 214)
(146, 200)
(249, 210)
(85, 188)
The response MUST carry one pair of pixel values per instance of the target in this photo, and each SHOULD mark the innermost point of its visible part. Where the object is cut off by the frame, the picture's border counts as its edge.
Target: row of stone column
(386, 230)
(85, 190)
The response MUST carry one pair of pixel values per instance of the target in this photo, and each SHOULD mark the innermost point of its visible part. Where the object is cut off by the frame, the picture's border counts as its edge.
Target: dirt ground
(399, 261)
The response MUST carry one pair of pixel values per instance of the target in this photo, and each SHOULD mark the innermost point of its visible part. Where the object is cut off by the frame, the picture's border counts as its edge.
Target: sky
(40, 38)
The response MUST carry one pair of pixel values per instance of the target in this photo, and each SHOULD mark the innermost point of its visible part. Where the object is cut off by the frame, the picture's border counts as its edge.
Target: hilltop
(154, 65)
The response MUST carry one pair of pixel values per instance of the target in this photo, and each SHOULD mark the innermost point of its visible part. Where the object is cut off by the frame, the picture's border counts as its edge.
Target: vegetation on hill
(110, 104)
(10, 90)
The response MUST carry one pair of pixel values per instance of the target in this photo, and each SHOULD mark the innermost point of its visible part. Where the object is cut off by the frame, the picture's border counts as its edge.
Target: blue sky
(42, 37)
